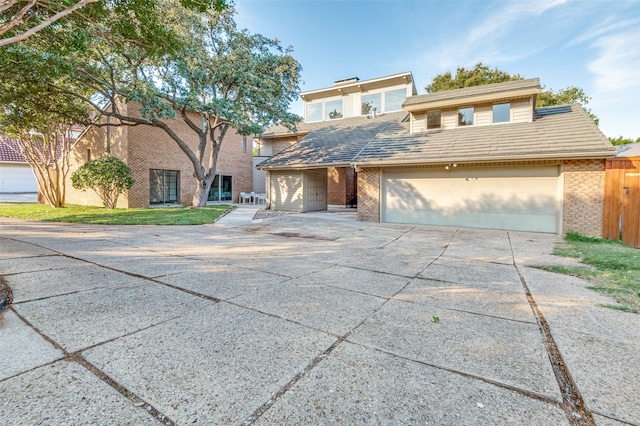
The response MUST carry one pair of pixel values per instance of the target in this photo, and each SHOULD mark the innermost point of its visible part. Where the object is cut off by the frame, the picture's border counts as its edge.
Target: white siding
(285, 190)
(522, 111)
(483, 115)
(418, 122)
(259, 176)
(347, 105)
(450, 119)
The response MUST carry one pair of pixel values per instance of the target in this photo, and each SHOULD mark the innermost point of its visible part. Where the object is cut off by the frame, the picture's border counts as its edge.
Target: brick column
(584, 196)
(369, 195)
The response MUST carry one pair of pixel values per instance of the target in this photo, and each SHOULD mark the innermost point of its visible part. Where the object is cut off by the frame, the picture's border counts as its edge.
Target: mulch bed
(6, 295)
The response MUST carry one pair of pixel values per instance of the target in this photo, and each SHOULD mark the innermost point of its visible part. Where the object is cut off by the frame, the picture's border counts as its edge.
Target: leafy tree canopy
(623, 141)
(190, 64)
(21, 19)
(481, 74)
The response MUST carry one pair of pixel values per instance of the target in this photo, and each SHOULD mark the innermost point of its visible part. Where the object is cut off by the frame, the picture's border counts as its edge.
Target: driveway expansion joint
(573, 403)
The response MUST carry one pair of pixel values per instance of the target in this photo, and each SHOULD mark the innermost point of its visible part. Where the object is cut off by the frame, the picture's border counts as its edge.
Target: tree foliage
(20, 19)
(620, 140)
(41, 123)
(481, 74)
(107, 176)
(180, 64)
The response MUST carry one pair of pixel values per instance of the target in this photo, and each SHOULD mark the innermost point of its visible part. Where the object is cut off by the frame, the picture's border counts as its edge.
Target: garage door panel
(523, 199)
(17, 178)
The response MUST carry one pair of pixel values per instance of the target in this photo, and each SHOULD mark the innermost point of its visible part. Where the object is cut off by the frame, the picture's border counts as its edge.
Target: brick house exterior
(583, 195)
(145, 149)
(478, 157)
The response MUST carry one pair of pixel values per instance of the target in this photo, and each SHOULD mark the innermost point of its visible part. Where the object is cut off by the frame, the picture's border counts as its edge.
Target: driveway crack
(572, 401)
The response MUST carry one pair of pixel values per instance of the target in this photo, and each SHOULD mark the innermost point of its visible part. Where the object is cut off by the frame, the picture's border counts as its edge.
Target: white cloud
(617, 67)
(609, 25)
(486, 41)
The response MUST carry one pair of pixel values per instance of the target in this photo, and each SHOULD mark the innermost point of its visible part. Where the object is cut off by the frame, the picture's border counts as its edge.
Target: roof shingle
(561, 132)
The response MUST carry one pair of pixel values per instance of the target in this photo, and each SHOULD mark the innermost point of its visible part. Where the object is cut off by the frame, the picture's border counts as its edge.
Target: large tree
(42, 123)
(178, 63)
(481, 74)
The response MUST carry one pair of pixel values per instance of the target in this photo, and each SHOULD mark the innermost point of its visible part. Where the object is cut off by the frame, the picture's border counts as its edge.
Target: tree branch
(44, 24)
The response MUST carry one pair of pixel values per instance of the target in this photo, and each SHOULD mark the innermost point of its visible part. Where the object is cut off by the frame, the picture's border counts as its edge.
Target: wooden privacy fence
(622, 200)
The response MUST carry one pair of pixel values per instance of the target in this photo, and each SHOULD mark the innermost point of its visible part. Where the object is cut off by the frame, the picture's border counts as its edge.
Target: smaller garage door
(16, 178)
(510, 198)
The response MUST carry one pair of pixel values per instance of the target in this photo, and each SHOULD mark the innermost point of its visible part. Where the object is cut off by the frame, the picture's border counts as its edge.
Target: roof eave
(462, 160)
(473, 99)
(302, 166)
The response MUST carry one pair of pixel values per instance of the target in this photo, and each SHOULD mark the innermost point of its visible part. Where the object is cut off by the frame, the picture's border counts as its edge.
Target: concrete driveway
(305, 319)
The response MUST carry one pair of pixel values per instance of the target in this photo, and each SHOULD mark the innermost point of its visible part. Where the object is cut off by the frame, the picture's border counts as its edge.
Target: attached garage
(16, 178)
(297, 190)
(524, 198)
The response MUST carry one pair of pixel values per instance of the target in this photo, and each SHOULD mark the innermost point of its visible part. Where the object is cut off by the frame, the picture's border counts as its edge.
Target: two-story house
(329, 108)
(479, 157)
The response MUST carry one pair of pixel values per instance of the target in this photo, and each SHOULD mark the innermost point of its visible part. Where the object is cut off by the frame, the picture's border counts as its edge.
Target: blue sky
(594, 45)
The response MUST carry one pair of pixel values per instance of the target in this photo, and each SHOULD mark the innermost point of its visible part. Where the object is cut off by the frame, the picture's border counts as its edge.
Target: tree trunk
(202, 193)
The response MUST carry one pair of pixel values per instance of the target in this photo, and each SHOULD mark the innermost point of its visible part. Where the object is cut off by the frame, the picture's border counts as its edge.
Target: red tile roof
(10, 150)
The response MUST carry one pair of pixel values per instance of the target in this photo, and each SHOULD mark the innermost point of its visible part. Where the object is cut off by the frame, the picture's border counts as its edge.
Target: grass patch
(615, 272)
(102, 216)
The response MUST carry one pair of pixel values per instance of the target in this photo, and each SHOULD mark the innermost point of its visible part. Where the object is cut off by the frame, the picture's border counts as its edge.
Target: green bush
(107, 176)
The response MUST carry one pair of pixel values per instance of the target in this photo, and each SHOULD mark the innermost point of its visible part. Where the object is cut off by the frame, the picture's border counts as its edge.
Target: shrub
(107, 176)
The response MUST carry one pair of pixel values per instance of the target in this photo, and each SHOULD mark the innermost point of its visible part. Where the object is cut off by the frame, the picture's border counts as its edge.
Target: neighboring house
(479, 157)
(162, 172)
(16, 175)
(330, 108)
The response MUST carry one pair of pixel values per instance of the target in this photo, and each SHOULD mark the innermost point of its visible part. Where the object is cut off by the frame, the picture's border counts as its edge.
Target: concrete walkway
(305, 319)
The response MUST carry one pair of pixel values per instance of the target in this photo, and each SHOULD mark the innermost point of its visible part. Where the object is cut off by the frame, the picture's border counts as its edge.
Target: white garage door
(17, 178)
(510, 198)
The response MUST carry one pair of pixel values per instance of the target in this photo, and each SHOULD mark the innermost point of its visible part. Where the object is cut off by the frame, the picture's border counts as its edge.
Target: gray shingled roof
(564, 132)
(334, 143)
(557, 132)
(467, 92)
(629, 150)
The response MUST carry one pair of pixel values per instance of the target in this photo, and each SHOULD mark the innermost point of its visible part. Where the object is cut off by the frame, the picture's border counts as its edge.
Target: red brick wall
(341, 186)
(583, 209)
(145, 147)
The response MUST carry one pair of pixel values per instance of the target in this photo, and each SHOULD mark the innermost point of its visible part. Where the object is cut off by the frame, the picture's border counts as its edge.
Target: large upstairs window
(333, 109)
(465, 116)
(371, 102)
(393, 100)
(502, 113)
(314, 112)
(434, 119)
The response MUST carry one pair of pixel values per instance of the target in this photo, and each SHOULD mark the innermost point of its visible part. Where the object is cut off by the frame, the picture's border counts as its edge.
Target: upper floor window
(434, 119)
(465, 116)
(393, 100)
(314, 112)
(369, 102)
(333, 109)
(502, 113)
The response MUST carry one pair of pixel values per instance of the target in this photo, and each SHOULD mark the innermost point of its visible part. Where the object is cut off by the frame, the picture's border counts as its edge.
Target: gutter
(461, 160)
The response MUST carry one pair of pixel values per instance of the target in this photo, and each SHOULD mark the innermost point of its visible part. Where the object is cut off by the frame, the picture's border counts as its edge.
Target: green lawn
(616, 269)
(102, 216)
